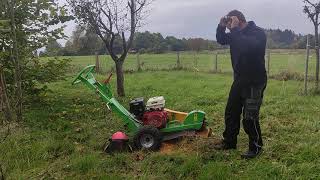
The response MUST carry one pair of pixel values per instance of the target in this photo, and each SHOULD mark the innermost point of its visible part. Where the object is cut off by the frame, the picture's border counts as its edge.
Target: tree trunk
(120, 78)
(317, 55)
(98, 70)
(17, 73)
(4, 98)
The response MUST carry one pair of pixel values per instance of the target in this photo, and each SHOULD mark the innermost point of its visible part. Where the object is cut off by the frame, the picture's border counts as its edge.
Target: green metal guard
(193, 120)
(104, 90)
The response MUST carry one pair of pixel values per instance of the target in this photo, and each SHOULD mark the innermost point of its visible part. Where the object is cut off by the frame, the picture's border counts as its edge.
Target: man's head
(239, 15)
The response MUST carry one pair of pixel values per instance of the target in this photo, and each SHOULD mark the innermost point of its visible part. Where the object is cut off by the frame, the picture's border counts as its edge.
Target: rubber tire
(151, 131)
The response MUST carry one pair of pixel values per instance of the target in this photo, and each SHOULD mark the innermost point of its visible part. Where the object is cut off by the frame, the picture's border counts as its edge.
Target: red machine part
(108, 79)
(119, 136)
(157, 119)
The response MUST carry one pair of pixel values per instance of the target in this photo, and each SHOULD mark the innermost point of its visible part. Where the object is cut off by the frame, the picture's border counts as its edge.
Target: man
(247, 47)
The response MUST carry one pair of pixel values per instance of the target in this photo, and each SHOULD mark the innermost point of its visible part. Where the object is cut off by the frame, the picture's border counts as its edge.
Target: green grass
(63, 135)
(289, 61)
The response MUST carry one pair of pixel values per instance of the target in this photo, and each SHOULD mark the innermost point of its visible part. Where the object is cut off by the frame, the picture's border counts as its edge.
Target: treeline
(85, 42)
(287, 39)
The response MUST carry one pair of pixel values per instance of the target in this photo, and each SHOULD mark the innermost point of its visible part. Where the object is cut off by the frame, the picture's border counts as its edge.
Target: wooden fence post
(269, 58)
(216, 63)
(97, 63)
(178, 60)
(195, 57)
(307, 68)
(138, 62)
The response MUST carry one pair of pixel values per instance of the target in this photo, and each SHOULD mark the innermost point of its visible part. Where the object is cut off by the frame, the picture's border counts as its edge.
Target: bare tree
(313, 11)
(112, 20)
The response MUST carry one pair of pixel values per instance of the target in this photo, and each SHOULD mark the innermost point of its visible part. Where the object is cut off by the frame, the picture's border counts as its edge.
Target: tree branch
(112, 54)
(133, 23)
(312, 4)
(109, 19)
(310, 14)
(93, 22)
(141, 5)
(124, 43)
(133, 13)
(103, 26)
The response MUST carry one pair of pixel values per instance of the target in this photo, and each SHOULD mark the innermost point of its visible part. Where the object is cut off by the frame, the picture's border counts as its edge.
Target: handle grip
(87, 71)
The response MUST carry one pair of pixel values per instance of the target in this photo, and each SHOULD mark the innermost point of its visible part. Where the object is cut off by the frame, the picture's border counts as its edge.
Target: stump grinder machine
(148, 124)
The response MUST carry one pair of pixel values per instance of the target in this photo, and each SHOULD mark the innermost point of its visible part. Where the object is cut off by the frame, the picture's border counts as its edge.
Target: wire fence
(287, 64)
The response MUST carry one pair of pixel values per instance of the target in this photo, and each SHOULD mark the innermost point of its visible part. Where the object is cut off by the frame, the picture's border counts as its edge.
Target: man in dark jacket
(247, 47)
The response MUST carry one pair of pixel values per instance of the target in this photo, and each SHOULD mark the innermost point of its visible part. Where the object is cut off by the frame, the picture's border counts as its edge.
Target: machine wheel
(148, 137)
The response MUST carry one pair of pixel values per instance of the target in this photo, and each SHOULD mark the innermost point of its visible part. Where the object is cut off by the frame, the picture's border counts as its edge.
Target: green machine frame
(193, 120)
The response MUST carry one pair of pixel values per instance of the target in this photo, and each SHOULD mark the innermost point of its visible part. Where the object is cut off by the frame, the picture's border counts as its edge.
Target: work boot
(250, 154)
(222, 145)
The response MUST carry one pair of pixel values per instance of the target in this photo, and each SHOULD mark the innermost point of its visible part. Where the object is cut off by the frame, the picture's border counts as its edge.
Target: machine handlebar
(86, 72)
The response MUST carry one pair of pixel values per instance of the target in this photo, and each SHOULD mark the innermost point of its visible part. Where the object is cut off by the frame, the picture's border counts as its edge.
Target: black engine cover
(137, 107)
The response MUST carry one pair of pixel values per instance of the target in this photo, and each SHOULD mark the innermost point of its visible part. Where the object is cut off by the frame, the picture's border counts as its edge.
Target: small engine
(155, 114)
(157, 119)
(155, 103)
(137, 107)
(152, 114)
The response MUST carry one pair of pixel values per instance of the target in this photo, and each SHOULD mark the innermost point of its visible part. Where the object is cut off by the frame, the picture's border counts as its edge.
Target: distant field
(281, 60)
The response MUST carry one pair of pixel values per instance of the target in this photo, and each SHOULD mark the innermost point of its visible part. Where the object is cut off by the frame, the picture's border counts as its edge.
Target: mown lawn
(63, 135)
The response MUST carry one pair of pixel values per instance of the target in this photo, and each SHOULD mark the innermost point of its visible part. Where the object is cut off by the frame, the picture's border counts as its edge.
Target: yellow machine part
(171, 146)
(176, 115)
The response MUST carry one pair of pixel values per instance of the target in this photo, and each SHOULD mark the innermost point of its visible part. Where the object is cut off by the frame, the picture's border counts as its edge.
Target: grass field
(63, 135)
(283, 60)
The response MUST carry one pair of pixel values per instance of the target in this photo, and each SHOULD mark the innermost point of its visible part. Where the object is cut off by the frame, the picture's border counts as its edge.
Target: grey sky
(198, 18)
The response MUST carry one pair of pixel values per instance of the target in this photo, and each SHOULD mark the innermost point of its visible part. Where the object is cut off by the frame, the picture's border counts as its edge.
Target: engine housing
(157, 119)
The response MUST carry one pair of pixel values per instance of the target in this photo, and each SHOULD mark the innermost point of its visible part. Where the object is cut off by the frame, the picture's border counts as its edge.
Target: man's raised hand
(235, 22)
(223, 22)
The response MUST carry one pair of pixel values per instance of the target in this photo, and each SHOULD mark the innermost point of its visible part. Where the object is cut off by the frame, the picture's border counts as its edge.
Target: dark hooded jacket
(247, 48)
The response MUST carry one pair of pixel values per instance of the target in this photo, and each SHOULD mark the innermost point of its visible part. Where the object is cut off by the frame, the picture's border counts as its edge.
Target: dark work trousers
(245, 98)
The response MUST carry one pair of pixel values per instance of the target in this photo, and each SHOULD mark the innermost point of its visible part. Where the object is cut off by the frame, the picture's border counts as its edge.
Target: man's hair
(238, 14)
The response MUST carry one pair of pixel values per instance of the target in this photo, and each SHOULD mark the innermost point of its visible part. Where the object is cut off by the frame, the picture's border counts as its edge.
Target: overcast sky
(199, 18)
